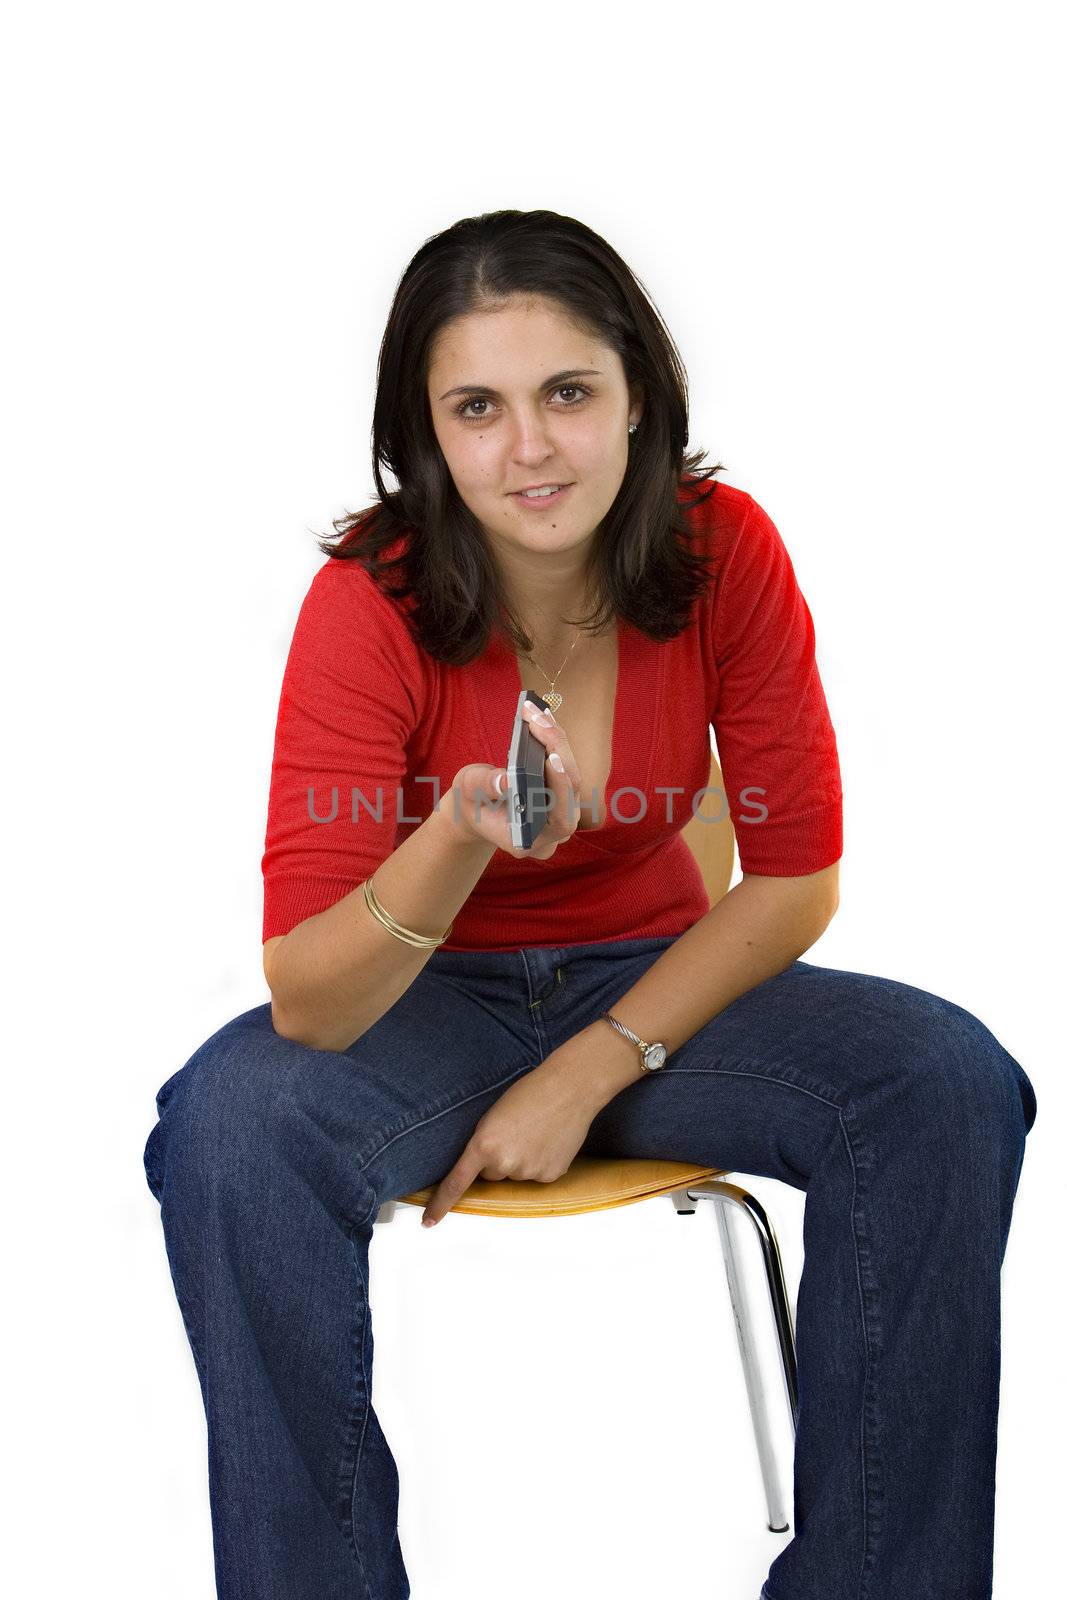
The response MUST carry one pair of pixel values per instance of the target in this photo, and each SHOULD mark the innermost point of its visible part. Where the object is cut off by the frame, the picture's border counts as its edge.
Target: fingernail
(543, 717)
(556, 760)
(428, 1222)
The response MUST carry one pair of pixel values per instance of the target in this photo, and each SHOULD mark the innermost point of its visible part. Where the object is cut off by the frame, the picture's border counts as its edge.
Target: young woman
(439, 996)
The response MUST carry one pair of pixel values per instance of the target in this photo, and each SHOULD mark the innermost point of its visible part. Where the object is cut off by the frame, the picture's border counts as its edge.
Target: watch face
(655, 1056)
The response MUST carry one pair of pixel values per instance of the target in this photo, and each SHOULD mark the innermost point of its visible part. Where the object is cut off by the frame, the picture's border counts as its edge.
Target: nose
(530, 441)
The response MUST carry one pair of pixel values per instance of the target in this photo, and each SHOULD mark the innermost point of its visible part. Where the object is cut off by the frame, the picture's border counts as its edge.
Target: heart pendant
(553, 701)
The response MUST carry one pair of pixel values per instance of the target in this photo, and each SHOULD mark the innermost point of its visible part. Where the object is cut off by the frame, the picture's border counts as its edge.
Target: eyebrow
(549, 383)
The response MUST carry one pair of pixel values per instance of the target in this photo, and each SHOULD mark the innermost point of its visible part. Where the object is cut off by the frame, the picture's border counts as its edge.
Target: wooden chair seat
(589, 1184)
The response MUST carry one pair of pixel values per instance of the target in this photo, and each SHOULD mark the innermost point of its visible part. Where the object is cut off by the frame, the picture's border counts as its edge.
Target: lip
(542, 500)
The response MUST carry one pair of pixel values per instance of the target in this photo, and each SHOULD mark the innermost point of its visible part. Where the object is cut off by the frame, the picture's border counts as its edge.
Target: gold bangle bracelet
(421, 941)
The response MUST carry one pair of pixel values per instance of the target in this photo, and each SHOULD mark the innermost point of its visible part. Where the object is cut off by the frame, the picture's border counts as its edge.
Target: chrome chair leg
(728, 1197)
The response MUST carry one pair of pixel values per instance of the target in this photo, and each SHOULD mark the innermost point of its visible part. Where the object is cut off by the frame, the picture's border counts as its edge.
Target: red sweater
(366, 712)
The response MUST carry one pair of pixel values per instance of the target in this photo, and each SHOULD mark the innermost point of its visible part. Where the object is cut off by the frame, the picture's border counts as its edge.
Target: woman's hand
(477, 801)
(533, 1131)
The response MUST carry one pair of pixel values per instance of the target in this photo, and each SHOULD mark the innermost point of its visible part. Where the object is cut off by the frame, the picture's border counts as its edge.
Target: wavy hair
(643, 569)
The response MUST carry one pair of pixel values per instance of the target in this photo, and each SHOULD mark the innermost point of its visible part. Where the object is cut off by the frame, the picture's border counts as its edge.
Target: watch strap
(643, 1045)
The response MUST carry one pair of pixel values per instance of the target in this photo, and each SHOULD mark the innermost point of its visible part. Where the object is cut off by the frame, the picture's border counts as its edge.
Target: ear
(637, 402)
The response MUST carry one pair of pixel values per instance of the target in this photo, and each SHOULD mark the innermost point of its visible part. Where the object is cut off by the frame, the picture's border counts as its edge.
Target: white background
(849, 218)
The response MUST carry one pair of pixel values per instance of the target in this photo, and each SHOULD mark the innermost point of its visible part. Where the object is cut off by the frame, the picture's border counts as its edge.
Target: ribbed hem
(806, 843)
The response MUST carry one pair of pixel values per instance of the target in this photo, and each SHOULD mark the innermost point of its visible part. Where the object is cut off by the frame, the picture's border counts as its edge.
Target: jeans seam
(421, 1123)
(362, 1432)
(870, 1394)
(734, 1072)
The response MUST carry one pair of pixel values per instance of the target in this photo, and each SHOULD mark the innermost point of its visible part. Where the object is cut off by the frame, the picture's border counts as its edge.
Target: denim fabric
(897, 1113)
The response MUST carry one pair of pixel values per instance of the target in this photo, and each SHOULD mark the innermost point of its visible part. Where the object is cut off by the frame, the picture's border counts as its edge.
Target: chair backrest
(712, 841)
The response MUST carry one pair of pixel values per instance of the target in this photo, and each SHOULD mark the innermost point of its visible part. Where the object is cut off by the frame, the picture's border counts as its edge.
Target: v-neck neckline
(637, 694)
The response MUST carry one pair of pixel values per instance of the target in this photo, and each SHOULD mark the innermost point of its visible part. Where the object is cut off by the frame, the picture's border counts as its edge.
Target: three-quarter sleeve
(347, 707)
(775, 741)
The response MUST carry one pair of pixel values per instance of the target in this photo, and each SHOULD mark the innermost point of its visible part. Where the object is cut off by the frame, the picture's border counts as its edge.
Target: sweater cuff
(288, 900)
(805, 843)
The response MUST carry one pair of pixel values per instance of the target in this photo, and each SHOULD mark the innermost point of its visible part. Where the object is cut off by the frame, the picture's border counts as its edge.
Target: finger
(571, 805)
(452, 1187)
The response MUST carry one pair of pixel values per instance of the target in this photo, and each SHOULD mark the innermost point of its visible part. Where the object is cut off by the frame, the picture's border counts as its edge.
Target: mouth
(536, 501)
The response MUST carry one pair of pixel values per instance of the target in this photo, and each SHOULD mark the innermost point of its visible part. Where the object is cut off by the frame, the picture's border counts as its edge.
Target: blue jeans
(898, 1113)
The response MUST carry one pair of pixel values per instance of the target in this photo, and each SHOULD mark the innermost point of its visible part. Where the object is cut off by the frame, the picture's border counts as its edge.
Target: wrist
(601, 1062)
(449, 817)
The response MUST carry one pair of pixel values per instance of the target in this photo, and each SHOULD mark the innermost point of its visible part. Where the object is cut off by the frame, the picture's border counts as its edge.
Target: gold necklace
(553, 699)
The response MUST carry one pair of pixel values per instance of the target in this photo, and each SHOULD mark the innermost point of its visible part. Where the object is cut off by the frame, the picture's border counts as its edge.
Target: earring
(633, 427)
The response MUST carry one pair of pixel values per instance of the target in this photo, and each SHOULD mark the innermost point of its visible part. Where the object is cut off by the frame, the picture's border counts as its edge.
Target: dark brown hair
(645, 572)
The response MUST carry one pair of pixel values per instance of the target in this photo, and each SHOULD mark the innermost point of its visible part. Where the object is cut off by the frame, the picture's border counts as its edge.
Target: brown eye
(579, 390)
(476, 400)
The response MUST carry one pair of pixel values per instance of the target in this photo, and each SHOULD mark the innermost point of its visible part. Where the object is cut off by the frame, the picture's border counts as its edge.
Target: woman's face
(521, 396)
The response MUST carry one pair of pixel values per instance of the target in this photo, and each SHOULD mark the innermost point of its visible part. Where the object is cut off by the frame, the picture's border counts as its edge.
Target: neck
(541, 607)
(541, 587)
(551, 647)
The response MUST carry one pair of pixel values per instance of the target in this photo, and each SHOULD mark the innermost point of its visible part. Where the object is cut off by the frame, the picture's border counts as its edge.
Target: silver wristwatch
(652, 1055)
